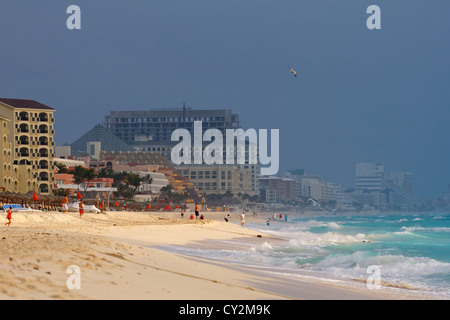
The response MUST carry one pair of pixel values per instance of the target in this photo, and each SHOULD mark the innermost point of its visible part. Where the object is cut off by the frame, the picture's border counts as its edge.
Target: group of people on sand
(274, 218)
(242, 217)
(65, 206)
(197, 213)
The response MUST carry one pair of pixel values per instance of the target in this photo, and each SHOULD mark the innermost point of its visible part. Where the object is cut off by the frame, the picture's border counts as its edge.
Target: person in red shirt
(81, 207)
(9, 217)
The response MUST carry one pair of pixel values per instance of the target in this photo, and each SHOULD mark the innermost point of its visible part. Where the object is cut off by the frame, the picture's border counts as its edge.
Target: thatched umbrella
(7, 197)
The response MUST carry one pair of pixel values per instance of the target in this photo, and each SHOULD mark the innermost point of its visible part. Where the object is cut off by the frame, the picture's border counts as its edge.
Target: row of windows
(26, 116)
(156, 126)
(167, 119)
(43, 188)
(208, 174)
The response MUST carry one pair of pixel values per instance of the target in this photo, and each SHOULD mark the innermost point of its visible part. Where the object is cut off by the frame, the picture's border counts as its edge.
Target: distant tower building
(402, 180)
(151, 130)
(369, 176)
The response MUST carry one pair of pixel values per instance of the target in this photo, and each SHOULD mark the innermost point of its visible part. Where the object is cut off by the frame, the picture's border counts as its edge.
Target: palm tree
(133, 182)
(78, 174)
(148, 180)
(89, 174)
(105, 173)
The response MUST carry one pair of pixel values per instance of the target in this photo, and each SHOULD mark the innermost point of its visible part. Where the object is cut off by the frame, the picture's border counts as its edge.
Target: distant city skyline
(360, 95)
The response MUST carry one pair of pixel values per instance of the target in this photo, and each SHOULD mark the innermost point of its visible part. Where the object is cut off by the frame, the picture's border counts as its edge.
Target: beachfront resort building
(27, 146)
(376, 188)
(151, 130)
(274, 189)
(369, 176)
(218, 179)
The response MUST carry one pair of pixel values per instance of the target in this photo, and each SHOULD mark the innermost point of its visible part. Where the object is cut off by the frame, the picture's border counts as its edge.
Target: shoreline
(124, 255)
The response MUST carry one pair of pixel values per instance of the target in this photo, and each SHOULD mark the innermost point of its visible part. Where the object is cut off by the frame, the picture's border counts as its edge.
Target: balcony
(43, 188)
(43, 164)
(43, 153)
(23, 116)
(43, 129)
(43, 177)
(43, 117)
(23, 152)
(43, 141)
(23, 128)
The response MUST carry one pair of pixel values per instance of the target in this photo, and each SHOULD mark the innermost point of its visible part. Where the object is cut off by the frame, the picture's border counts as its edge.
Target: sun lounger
(15, 207)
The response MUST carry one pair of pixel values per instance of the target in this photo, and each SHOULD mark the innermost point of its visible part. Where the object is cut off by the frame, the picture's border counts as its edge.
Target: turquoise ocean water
(410, 250)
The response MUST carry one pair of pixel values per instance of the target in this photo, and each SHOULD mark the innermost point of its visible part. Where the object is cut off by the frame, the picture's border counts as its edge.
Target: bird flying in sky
(293, 72)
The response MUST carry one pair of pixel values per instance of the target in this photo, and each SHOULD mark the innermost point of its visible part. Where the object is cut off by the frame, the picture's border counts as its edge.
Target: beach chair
(15, 207)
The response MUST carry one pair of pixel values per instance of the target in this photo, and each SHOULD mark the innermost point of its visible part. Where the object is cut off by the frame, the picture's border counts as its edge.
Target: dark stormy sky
(360, 95)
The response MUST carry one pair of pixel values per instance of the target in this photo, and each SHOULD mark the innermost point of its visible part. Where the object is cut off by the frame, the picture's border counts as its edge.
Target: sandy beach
(123, 255)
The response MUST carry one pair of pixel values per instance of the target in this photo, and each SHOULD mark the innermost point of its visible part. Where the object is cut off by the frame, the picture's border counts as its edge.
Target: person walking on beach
(243, 218)
(182, 213)
(197, 209)
(65, 204)
(81, 208)
(9, 217)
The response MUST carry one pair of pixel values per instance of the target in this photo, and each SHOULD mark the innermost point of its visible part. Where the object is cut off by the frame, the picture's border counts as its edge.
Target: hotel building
(27, 146)
(369, 176)
(218, 179)
(151, 130)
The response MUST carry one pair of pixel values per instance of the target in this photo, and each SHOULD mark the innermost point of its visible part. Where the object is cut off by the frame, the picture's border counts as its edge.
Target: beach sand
(121, 255)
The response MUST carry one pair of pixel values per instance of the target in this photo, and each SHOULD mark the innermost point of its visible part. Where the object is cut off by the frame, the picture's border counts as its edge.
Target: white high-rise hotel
(370, 176)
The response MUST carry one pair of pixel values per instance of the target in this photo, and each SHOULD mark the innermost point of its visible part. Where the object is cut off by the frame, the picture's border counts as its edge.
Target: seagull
(293, 72)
